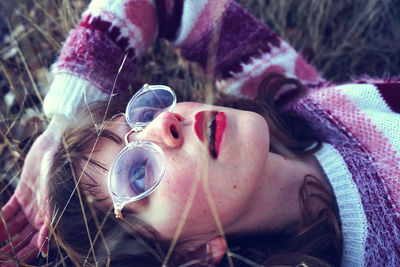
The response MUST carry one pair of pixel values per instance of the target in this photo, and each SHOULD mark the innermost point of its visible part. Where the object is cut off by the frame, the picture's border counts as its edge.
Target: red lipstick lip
(202, 119)
(219, 130)
(200, 125)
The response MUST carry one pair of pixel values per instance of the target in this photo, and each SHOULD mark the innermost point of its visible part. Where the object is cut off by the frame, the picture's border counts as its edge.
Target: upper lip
(200, 125)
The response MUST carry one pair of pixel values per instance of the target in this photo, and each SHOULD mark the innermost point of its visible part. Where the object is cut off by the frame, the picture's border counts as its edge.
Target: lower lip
(220, 120)
(200, 125)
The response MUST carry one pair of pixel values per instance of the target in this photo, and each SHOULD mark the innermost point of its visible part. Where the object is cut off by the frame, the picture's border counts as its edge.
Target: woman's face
(227, 181)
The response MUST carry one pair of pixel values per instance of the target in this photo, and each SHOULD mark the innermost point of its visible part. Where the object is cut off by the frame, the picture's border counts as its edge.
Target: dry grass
(343, 39)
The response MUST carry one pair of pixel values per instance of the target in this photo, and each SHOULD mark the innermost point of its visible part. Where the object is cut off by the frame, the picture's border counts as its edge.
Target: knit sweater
(246, 50)
(358, 123)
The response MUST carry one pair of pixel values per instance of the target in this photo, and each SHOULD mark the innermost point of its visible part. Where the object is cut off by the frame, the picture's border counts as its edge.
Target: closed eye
(111, 136)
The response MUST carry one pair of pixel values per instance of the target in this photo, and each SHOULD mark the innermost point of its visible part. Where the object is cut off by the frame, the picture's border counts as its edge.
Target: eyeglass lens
(140, 166)
(136, 172)
(146, 106)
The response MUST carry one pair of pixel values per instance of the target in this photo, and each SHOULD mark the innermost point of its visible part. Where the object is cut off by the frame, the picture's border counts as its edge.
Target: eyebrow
(108, 135)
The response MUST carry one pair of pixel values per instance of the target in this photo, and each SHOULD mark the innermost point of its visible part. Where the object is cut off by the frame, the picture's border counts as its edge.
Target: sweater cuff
(351, 211)
(69, 94)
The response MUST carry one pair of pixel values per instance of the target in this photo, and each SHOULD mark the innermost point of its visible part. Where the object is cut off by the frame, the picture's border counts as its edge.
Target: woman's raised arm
(235, 47)
(222, 37)
(110, 37)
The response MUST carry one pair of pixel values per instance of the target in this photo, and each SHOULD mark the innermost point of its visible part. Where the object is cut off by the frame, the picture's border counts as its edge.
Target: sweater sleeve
(235, 47)
(98, 58)
(224, 39)
(358, 124)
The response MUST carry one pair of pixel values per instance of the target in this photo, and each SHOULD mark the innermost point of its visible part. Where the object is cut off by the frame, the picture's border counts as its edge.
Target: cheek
(172, 197)
(180, 181)
(191, 178)
(216, 186)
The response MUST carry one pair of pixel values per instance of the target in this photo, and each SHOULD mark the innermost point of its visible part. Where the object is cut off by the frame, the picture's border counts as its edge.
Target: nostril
(178, 117)
(174, 132)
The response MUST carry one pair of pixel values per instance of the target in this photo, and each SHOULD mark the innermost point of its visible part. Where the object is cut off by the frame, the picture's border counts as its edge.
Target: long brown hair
(86, 235)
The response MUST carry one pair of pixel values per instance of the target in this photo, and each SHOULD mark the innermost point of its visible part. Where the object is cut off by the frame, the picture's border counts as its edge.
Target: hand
(23, 218)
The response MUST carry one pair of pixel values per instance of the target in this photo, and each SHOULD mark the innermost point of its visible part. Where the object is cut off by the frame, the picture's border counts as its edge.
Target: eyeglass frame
(118, 201)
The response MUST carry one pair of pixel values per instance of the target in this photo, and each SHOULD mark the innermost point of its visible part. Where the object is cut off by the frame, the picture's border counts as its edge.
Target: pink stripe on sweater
(360, 126)
(262, 66)
(305, 72)
(143, 14)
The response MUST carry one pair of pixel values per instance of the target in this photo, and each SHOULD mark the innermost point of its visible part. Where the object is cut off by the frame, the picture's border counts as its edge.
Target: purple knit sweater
(358, 122)
(359, 125)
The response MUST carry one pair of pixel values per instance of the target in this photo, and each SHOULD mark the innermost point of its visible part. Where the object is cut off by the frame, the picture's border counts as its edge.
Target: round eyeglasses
(139, 168)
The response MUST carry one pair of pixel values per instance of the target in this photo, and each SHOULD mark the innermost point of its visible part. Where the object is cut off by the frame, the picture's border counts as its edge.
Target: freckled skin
(189, 164)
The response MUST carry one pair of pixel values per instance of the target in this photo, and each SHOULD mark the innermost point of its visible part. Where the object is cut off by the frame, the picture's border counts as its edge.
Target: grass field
(342, 38)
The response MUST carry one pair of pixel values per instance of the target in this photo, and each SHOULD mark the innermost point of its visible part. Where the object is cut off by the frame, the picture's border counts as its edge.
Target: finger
(26, 255)
(21, 241)
(22, 249)
(42, 242)
(12, 226)
(5, 259)
(11, 207)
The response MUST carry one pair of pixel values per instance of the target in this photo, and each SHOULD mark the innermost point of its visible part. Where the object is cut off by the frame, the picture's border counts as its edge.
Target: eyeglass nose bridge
(133, 130)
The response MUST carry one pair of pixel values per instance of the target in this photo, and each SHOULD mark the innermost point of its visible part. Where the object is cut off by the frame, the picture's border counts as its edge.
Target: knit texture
(357, 122)
(352, 214)
(224, 39)
(362, 129)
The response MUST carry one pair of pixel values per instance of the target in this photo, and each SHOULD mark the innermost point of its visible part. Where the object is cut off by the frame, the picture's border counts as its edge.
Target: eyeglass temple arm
(118, 214)
(118, 211)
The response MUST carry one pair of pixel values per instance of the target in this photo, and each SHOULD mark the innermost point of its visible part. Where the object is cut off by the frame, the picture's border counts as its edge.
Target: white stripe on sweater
(114, 12)
(352, 215)
(67, 95)
(190, 15)
(283, 56)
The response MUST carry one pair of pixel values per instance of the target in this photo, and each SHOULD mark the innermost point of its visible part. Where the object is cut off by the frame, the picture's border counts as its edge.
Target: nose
(165, 128)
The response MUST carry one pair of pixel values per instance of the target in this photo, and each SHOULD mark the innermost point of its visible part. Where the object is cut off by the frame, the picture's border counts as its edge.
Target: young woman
(220, 179)
(261, 193)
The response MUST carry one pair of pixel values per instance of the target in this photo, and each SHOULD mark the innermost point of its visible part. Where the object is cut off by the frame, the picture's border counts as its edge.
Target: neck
(277, 196)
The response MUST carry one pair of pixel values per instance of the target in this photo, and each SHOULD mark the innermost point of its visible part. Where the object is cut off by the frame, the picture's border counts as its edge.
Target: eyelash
(111, 136)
